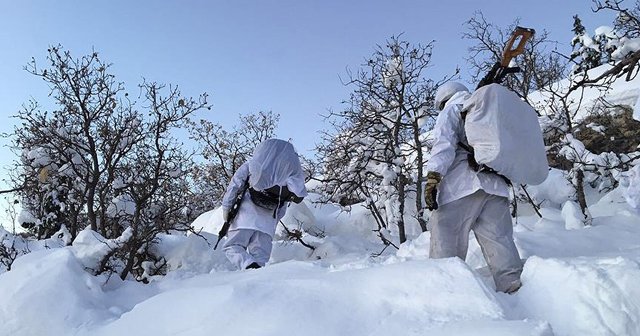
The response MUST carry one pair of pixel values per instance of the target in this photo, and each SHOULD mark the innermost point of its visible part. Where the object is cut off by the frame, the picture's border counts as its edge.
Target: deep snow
(577, 281)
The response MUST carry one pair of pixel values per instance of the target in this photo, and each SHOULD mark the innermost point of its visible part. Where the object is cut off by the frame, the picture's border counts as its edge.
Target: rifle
(232, 212)
(500, 69)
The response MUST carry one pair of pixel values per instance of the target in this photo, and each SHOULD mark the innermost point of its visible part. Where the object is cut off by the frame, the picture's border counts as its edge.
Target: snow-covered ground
(577, 281)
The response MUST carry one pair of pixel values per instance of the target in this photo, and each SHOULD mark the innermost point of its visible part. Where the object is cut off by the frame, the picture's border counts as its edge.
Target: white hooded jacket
(450, 160)
(274, 162)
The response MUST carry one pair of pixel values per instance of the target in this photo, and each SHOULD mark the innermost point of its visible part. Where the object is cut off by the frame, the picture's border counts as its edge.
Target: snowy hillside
(350, 115)
(576, 282)
(621, 93)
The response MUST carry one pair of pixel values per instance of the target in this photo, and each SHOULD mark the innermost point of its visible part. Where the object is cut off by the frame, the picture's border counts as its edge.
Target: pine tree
(586, 52)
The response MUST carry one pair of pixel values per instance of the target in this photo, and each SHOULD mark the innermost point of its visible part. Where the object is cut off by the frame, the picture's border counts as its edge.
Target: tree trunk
(582, 199)
(420, 177)
(401, 199)
(73, 231)
(91, 214)
(131, 257)
(132, 245)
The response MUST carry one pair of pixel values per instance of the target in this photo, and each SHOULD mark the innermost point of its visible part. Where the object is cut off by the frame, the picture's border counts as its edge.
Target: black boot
(253, 265)
(513, 287)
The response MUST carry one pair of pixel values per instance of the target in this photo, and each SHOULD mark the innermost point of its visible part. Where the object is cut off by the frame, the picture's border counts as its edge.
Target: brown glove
(431, 190)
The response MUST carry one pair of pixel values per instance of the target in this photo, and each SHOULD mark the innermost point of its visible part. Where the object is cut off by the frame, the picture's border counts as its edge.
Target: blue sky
(285, 56)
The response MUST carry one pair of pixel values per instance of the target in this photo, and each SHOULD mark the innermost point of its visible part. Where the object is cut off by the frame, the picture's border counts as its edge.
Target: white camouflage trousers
(488, 216)
(245, 246)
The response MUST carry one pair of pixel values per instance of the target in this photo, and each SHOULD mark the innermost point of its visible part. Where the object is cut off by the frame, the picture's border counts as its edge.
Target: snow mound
(416, 248)
(52, 286)
(632, 193)
(555, 190)
(190, 255)
(412, 298)
(210, 221)
(583, 296)
(572, 216)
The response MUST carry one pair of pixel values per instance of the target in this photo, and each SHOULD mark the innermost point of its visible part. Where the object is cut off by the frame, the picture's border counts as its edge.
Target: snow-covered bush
(13, 246)
(9, 249)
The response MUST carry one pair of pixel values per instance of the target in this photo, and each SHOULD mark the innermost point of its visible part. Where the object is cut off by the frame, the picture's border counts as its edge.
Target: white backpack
(505, 134)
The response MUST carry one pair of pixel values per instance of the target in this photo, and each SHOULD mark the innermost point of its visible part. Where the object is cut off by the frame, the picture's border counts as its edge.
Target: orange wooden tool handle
(520, 35)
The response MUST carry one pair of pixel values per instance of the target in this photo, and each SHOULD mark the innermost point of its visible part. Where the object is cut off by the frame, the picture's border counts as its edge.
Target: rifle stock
(520, 35)
(515, 46)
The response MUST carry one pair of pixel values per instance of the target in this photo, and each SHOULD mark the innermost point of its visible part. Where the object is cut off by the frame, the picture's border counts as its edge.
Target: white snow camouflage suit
(274, 163)
(470, 200)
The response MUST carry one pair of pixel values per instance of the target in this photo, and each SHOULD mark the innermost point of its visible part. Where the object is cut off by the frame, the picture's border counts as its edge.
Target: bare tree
(224, 152)
(98, 151)
(376, 151)
(540, 65)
